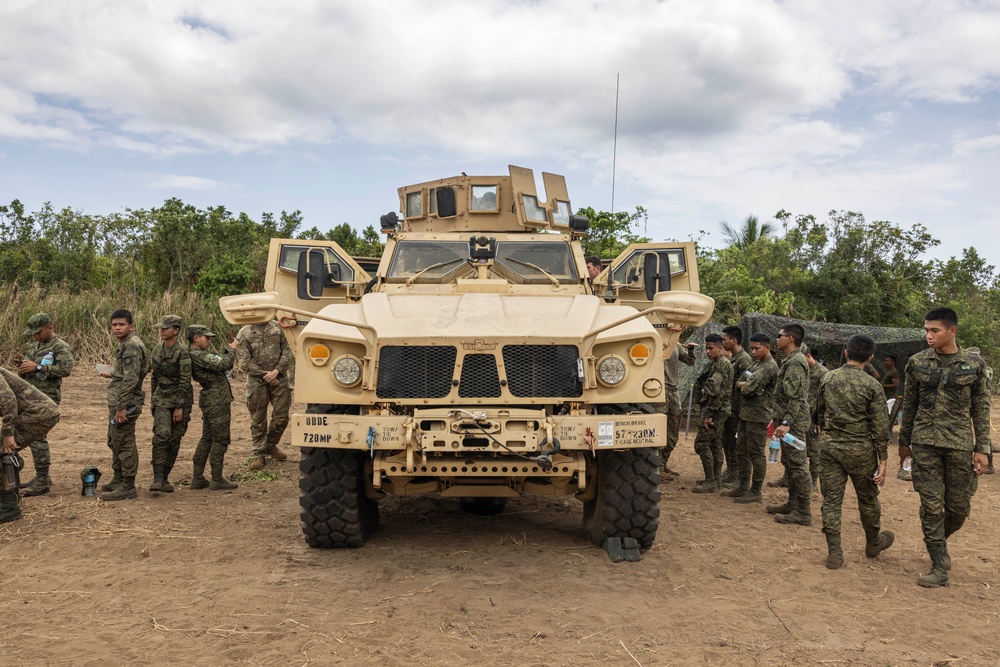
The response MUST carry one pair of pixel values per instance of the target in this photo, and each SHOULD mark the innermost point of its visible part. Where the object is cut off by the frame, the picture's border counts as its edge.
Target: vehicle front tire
(627, 502)
(335, 511)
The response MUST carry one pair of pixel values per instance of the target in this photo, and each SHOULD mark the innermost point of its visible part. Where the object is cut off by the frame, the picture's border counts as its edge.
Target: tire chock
(620, 549)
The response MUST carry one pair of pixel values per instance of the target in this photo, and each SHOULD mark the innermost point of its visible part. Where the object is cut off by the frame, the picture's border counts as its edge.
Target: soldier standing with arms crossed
(125, 399)
(850, 409)
(757, 389)
(171, 396)
(945, 401)
(45, 373)
(265, 356)
(28, 415)
(791, 410)
(732, 341)
(716, 393)
(672, 407)
(215, 401)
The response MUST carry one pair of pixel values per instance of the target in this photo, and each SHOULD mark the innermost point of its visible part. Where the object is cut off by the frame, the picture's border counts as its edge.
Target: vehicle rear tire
(335, 511)
(627, 501)
(483, 506)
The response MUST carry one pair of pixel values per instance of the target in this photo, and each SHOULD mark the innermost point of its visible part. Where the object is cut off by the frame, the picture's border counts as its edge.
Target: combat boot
(9, 511)
(794, 518)
(220, 483)
(124, 491)
(945, 559)
(904, 475)
(167, 486)
(115, 482)
(878, 542)
(38, 486)
(198, 480)
(708, 486)
(257, 462)
(990, 470)
(275, 453)
(729, 476)
(157, 484)
(780, 509)
(835, 555)
(751, 496)
(938, 576)
(734, 491)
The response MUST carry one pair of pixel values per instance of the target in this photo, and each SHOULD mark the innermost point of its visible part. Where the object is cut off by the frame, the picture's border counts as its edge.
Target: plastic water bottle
(773, 450)
(797, 443)
(45, 365)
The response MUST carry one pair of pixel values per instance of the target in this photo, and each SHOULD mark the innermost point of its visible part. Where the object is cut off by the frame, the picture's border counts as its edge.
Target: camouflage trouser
(814, 443)
(121, 441)
(672, 408)
(33, 435)
(708, 445)
(167, 436)
(946, 482)
(859, 465)
(215, 420)
(258, 398)
(750, 448)
(796, 464)
(729, 441)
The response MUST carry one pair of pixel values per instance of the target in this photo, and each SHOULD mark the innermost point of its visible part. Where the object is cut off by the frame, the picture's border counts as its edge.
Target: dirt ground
(199, 577)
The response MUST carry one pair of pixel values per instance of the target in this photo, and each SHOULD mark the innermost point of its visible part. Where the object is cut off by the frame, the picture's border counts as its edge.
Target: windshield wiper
(555, 281)
(409, 281)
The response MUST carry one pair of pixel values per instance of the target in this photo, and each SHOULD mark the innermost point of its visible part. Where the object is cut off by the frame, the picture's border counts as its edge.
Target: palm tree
(749, 233)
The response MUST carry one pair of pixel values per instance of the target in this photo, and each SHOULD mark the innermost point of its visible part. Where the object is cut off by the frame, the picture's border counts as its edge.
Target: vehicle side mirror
(656, 279)
(445, 202)
(312, 274)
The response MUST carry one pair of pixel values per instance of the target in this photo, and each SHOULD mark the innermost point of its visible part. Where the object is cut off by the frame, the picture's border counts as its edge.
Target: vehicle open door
(644, 270)
(310, 275)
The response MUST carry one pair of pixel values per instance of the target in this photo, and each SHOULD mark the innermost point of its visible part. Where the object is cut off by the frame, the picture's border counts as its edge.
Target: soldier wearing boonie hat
(46, 362)
(215, 401)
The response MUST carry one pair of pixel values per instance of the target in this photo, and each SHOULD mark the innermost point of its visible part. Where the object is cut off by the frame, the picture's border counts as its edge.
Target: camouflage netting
(825, 339)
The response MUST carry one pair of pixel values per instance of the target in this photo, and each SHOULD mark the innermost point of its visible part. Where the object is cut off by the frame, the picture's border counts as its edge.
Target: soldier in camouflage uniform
(264, 355)
(215, 401)
(125, 399)
(946, 401)
(714, 401)
(814, 438)
(732, 341)
(791, 415)
(672, 407)
(171, 397)
(757, 393)
(48, 378)
(850, 407)
(28, 415)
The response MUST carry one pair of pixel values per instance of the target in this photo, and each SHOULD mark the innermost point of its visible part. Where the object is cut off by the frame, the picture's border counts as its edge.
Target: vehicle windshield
(412, 257)
(538, 259)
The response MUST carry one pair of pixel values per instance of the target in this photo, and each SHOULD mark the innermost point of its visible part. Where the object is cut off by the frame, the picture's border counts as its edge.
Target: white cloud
(183, 182)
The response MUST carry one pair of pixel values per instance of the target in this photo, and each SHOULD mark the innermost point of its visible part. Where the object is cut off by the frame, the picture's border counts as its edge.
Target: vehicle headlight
(611, 370)
(347, 371)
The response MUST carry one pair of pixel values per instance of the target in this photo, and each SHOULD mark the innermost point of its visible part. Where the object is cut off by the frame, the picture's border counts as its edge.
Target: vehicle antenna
(614, 150)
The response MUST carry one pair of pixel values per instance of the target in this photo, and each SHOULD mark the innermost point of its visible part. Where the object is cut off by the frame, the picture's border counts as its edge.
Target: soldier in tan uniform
(265, 357)
(28, 415)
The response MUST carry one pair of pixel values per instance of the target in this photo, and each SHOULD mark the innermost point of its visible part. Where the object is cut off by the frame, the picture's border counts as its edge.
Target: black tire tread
(333, 507)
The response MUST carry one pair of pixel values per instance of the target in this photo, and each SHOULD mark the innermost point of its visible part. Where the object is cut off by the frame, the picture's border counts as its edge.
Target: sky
(725, 108)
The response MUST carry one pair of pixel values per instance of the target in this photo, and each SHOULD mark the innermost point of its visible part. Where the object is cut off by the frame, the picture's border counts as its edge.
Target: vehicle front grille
(542, 370)
(417, 371)
(480, 378)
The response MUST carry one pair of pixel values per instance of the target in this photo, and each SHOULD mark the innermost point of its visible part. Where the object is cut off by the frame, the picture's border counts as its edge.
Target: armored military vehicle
(479, 361)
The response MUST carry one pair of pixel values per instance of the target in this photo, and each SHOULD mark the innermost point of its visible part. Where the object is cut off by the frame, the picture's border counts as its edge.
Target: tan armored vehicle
(479, 362)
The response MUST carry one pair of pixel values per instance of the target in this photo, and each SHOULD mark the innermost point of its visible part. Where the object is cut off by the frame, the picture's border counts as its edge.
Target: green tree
(751, 231)
(611, 233)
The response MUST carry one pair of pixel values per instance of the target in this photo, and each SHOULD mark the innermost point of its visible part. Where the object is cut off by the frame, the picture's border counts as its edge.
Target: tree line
(843, 269)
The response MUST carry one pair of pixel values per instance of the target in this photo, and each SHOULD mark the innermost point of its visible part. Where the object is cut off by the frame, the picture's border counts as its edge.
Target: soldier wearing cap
(172, 398)
(215, 401)
(47, 361)
(27, 415)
